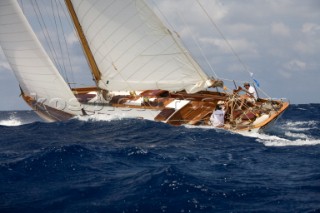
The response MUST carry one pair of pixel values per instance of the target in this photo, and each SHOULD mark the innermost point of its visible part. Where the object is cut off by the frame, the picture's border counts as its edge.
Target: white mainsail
(37, 75)
(134, 50)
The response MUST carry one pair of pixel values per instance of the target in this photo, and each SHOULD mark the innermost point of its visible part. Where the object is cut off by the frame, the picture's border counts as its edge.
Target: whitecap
(300, 126)
(198, 127)
(299, 142)
(272, 140)
(100, 117)
(10, 122)
(302, 123)
(296, 135)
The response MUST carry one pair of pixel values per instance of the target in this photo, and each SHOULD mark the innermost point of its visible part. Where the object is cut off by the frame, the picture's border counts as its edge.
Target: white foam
(296, 135)
(100, 117)
(300, 126)
(302, 123)
(299, 142)
(198, 127)
(272, 140)
(302, 109)
(11, 122)
(297, 129)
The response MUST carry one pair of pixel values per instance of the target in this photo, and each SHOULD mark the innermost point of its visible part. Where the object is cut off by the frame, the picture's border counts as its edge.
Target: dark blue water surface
(126, 165)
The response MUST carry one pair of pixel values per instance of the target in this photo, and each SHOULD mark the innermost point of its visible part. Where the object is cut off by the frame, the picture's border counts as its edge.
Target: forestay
(134, 50)
(37, 75)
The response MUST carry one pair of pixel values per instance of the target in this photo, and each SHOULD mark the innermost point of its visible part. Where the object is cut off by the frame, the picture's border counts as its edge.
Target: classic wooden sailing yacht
(140, 67)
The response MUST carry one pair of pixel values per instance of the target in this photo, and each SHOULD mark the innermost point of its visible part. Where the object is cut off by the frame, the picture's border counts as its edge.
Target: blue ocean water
(127, 165)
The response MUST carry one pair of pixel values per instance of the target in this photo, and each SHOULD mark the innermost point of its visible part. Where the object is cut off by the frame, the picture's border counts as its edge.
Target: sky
(275, 42)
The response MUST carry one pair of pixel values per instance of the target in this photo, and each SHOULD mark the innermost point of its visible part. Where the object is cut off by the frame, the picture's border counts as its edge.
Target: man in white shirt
(217, 117)
(251, 91)
(250, 97)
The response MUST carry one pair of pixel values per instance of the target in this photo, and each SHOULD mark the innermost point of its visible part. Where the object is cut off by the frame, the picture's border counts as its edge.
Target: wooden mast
(92, 63)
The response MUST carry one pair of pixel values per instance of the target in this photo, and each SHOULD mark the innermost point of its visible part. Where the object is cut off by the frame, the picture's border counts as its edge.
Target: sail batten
(130, 44)
(36, 73)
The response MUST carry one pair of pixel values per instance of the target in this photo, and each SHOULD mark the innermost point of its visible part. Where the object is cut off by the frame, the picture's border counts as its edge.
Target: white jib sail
(134, 50)
(37, 75)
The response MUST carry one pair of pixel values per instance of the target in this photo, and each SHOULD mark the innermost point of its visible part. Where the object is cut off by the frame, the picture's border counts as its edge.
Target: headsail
(134, 50)
(37, 75)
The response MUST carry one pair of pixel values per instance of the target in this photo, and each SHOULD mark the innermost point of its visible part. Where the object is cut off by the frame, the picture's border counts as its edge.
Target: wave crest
(12, 121)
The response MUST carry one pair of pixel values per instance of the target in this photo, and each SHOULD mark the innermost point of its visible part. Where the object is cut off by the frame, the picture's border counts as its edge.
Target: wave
(100, 117)
(272, 140)
(12, 121)
(300, 126)
(18, 118)
(285, 133)
(291, 133)
(299, 142)
(294, 132)
(296, 135)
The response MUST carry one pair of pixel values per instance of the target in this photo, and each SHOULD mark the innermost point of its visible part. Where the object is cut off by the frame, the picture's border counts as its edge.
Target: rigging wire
(59, 41)
(53, 48)
(65, 42)
(66, 14)
(183, 49)
(231, 48)
(225, 39)
(198, 46)
(45, 32)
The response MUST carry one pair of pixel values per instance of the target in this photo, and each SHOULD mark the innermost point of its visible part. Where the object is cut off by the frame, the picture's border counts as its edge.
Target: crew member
(217, 117)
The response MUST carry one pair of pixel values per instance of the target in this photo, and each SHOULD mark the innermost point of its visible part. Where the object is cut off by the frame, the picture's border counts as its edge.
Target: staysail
(134, 50)
(37, 75)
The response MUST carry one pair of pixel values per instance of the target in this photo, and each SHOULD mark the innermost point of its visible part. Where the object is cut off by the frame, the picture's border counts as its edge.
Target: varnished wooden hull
(171, 108)
(47, 113)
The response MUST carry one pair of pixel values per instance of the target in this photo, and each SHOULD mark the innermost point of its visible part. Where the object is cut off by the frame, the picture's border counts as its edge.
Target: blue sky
(277, 41)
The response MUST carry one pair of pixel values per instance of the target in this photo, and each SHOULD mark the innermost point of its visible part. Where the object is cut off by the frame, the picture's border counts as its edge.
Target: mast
(88, 53)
